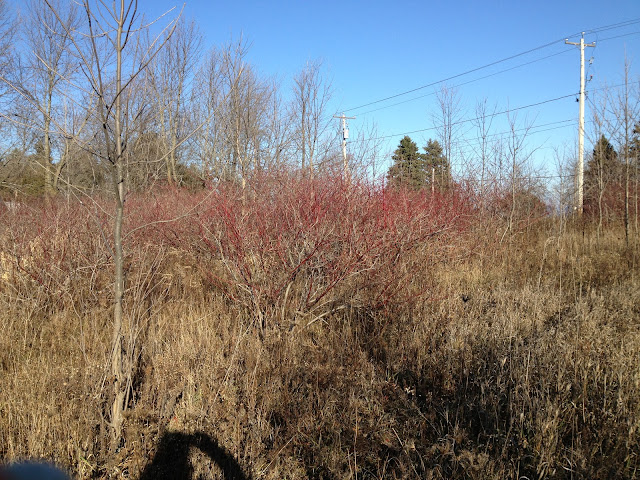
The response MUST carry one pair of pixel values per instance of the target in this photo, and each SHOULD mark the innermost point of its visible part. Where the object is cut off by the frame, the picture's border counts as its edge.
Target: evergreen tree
(437, 165)
(408, 168)
(603, 179)
(415, 170)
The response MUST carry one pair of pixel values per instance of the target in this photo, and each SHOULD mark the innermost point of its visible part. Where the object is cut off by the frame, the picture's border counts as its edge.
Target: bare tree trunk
(114, 143)
(627, 171)
(600, 194)
(303, 129)
(635, 238)
(46, 161)
(484, 120)
(61, 164)
(117, 360)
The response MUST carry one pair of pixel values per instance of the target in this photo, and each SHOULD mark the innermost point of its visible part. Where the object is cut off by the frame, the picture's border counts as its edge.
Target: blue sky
(372, 50)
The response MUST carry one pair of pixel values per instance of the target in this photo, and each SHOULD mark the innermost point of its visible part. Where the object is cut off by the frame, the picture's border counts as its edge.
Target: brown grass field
(434, 345)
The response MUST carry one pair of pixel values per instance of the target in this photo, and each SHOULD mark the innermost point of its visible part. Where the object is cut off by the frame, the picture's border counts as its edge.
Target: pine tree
(603, 179)
(437, 165)
(409, 166)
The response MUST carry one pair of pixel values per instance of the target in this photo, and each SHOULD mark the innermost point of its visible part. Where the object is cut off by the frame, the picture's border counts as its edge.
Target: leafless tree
(278, 140)
(170, 76)
(563, 189)
(238, 114)
(518, 157)
(245, 117)
(311, 95)
(109, 50)
(625, 107)
(365, 149)
(7, 36)
(483, 122)
(447, 120)
(49, 64)
(595, 184)
(207, 98)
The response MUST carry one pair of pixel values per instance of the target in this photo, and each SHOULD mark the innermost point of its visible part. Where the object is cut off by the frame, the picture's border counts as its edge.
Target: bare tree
(447, 120)
(111, 57)
(207, 99)
(626, 109)
(596, 177)
(7, 36)
(518, 156)
(483, 122)
(311, 95)
(563, 190)
(170, 76)
(365, 150)
(278, 141)
(246, 115)
(234, 80)
(240, 114)
(48, 65)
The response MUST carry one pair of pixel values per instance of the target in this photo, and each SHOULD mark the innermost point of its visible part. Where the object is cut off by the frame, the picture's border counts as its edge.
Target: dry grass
(521, 362)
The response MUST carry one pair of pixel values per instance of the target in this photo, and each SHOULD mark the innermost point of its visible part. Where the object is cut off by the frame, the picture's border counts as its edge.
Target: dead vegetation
(514, 359)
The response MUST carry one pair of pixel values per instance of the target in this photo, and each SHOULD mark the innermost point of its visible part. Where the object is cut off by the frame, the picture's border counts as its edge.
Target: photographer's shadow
(171, 460)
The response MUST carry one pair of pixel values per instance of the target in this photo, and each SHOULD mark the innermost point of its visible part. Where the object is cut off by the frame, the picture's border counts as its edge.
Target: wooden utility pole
(345, 136)
(581, 122)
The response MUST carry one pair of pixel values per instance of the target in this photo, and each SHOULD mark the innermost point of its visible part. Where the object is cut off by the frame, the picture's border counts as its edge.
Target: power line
(531, 131)
(510, 110)
(478, 118)
(454, 76)
(618, 36)
(497, 73)
(604, 28)
(597, 29)
(467, 82)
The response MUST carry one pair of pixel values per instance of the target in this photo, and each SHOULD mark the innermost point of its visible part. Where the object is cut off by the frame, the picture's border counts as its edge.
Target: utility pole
(345, 136)
(581, 122)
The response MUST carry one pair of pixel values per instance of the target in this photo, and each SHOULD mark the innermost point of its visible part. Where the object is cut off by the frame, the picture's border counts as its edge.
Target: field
(311, 329)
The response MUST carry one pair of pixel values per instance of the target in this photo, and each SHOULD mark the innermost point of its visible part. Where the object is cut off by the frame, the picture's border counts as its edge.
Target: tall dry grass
(491, 356)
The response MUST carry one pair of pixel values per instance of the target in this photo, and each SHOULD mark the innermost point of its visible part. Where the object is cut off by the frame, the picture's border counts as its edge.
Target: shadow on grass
(171, 460)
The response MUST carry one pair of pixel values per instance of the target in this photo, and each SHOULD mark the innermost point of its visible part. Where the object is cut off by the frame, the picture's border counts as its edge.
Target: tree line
(195, 114)
(192, 113)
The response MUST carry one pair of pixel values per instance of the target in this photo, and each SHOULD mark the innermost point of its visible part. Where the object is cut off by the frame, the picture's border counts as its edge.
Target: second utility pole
(345, 136)
(581, 122)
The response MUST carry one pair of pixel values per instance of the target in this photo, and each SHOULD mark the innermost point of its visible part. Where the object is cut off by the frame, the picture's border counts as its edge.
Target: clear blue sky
(375, 49)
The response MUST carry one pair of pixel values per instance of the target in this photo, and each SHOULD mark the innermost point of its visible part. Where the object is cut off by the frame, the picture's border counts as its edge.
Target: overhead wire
(453, 76)
(604, 28)
(478, 118)
(498, 73)
(532, 130)
(618, 36)
(466, 83)
(503, 112)
(511, 57)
